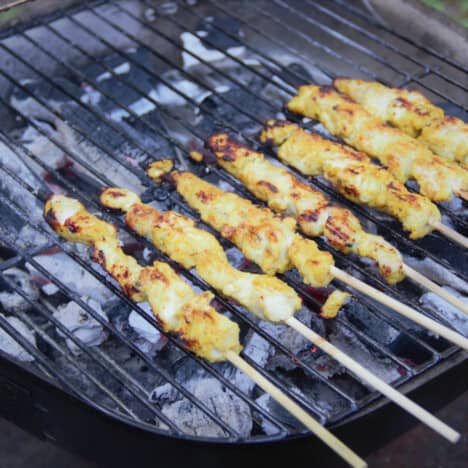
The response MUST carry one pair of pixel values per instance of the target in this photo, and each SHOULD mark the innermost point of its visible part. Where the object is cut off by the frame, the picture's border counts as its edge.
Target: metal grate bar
(237, 82)
(315, 43)
(67, 355)
(271, 63)
(273, 40)
(50, 368)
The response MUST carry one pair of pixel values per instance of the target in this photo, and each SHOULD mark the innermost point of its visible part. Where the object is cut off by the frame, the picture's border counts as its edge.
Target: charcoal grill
(115, 85)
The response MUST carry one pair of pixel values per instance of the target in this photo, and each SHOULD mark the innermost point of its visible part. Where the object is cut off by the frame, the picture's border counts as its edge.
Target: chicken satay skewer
(195, 247)
(177, 307)
(353, 174)
(358, 179)
(272, 243)
(405, 157)
(412, 113)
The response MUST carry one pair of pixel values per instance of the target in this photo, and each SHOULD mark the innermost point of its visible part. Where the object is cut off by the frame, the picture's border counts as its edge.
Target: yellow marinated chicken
(315, 215)
(161, 167)
(334, 303)
(412, 113)
(404, 156)
(266, 239)
(447, 138)
(262, 237)
(265, 296)
(174, 303)
(353, 175)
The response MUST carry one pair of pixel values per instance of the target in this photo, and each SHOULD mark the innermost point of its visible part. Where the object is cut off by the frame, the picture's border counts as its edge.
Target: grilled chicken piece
(266, 239)
(262, 237)
(353, 175)
(174, 303)
(267, 297)
(334, 303)
(447, 138)
(315, 215)
(412, 113)
(404, 156)
(161, 167)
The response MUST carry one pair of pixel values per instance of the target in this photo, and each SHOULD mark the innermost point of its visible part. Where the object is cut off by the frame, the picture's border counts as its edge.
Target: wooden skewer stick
(308, 421)
(451, 234)
(401, 308)
(435, 288)
(375, 382)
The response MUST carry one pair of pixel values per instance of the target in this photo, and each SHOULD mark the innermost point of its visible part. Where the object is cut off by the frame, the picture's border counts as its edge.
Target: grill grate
(350, 44)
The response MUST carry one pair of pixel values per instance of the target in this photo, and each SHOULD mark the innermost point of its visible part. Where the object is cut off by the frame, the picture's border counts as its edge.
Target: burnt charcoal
(44, 90)
(362, 351)
(93, 127)
(218, 399)
(241, 121)
(268, 403)
(10, 346)
(9, 217)
(366, 321)
(409, 350)
(453, 253)
(216, 38)
(290, 339)
(10, 300)
(115, 85)
(295, 74)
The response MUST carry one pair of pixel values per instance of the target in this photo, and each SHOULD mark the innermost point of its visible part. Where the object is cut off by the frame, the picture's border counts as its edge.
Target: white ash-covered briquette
(13, 190)
(193, 45)
(438, 273)
(43, 147)
(258, 349)
(10, 300)
(290, 339)
(266, 402)
(348, 342)
(227, 406)
(77, 278)
(82, 325)
(10, 346)
(446, 311)
(150, 340)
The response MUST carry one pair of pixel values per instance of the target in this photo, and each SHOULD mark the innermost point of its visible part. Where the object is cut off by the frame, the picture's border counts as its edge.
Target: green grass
(455, 9)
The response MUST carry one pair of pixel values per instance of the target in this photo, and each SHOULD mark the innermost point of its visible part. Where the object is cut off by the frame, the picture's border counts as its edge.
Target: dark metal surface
(324, 40)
